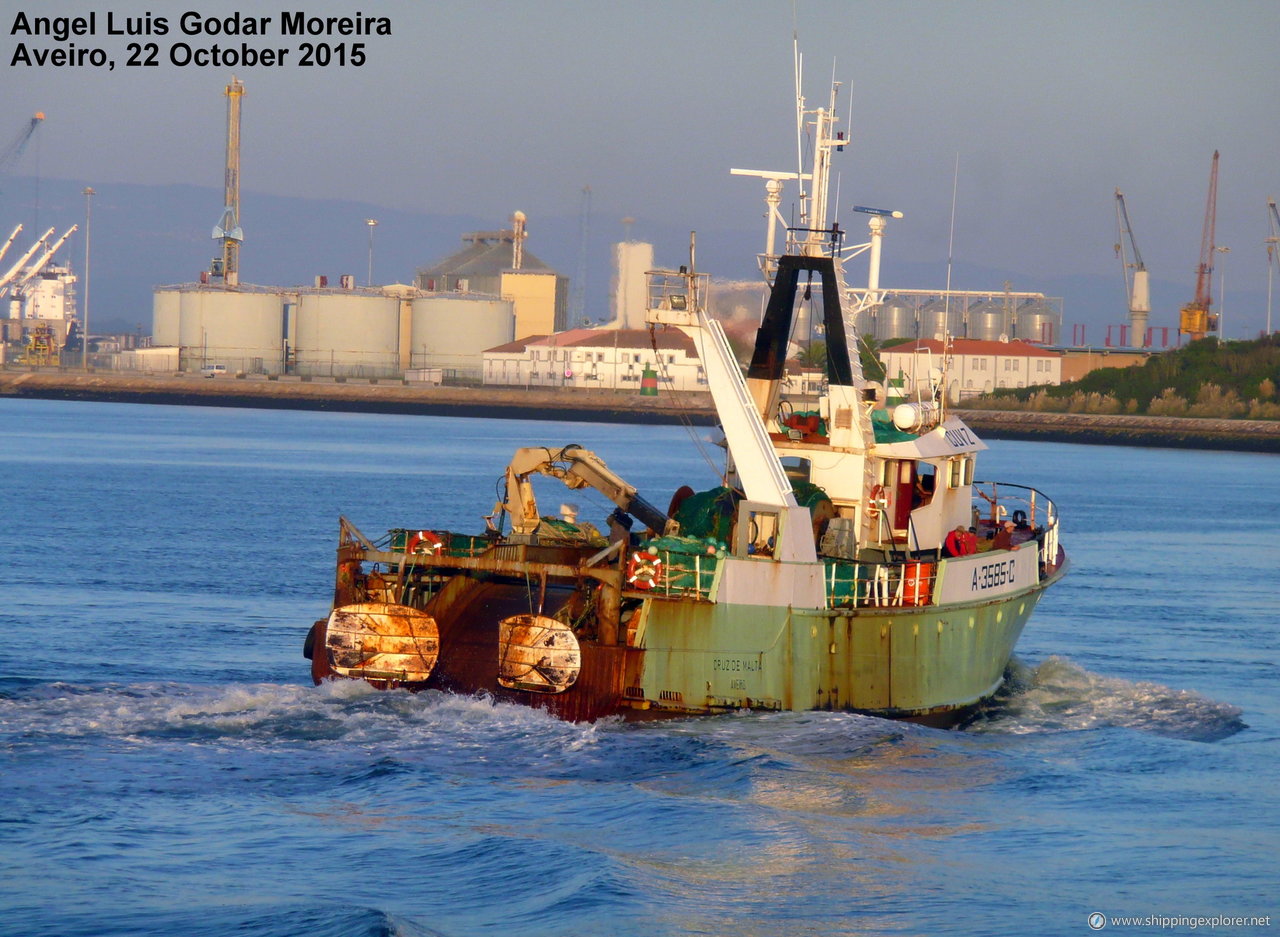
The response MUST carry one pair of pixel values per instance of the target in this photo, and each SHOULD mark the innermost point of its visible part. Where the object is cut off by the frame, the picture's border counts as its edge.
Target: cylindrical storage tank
(895, 320)
(939, 318)
(347, 335)
(865, 322)
(1037, 322)
(987, 321)
(451, 332)
(240, 330)
(166, 317)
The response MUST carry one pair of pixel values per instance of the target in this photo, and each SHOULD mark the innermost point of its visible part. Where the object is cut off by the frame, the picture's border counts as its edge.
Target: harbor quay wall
(361, 396)
(1170, 432)
(589, 405)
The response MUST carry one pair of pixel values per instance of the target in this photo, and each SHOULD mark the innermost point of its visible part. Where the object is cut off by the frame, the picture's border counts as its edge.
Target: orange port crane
(1196, 320)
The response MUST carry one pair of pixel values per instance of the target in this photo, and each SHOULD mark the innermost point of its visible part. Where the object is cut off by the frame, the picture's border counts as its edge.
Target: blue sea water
(169, 769)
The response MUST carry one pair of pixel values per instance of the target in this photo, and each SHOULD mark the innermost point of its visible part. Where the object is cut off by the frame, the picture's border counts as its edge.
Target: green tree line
(1207, 378)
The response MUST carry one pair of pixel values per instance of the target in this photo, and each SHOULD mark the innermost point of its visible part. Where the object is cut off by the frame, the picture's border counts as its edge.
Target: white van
(213, 370)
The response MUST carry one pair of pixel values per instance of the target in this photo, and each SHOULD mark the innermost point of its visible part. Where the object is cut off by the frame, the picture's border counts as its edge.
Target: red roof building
(601, 358)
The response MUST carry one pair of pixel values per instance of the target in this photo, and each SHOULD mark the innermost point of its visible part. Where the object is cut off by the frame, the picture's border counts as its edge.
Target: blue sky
(480, 109)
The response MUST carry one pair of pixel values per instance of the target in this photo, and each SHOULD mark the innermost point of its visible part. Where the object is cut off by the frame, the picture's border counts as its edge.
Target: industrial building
(496, 263)
(969, 367)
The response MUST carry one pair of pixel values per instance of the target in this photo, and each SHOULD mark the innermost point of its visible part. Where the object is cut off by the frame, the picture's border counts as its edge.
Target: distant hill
(1208, 378)
(144, 236)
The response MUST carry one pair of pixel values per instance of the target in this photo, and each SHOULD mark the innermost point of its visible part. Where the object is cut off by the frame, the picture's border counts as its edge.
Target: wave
(323, 921)
(1059, 695)
(254, 713)
(318, 920)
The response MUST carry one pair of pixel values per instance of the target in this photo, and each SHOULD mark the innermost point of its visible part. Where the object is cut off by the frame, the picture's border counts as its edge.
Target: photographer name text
(104, 40)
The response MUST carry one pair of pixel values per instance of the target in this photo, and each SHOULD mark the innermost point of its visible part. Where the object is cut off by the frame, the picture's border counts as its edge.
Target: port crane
(1273, 252)
(1196, 320)
(228, 230)
(11, 152)
(1137, 286)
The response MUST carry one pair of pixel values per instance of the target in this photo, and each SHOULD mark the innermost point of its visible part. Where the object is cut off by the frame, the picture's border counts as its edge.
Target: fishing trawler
(849, 561)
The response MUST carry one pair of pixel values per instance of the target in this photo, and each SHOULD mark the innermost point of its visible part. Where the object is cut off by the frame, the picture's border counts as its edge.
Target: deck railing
(688, 575)
(879, 585)
(847, 584)
(1033, 513)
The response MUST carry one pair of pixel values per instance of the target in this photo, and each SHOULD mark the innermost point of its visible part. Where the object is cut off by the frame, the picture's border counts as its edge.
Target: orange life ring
(644, 569)
(425, 542)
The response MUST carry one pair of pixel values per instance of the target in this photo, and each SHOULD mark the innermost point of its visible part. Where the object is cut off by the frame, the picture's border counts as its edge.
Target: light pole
(1271, 243)
(1222, 292)
(88, 217)
(371, 224)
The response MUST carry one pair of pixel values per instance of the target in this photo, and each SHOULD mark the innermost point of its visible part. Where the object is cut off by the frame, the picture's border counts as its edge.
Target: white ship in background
(38, 298)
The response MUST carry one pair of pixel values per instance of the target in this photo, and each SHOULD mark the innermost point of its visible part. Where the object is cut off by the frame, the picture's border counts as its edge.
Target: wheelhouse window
(796, 468)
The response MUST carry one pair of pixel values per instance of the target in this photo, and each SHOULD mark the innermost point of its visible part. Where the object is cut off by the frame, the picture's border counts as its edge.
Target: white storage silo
(451, 332)
(347, 334)
(241, 330)
(166, 312)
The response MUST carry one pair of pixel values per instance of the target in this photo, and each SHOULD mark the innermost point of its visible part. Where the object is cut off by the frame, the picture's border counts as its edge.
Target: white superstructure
(34, 287)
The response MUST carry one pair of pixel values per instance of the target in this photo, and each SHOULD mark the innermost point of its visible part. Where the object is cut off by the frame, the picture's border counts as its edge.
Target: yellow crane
(1197, 320)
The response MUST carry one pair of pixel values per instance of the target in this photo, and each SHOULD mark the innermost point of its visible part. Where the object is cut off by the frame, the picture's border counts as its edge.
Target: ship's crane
(40, 264)
(9, 243)
(13, 272)
(577, 468)
(1273, 252)
(15, 282)
(1137, 286)
(1196, 320)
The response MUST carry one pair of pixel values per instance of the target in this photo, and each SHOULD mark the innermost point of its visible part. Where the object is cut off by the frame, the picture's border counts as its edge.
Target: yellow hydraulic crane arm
(577, 468)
